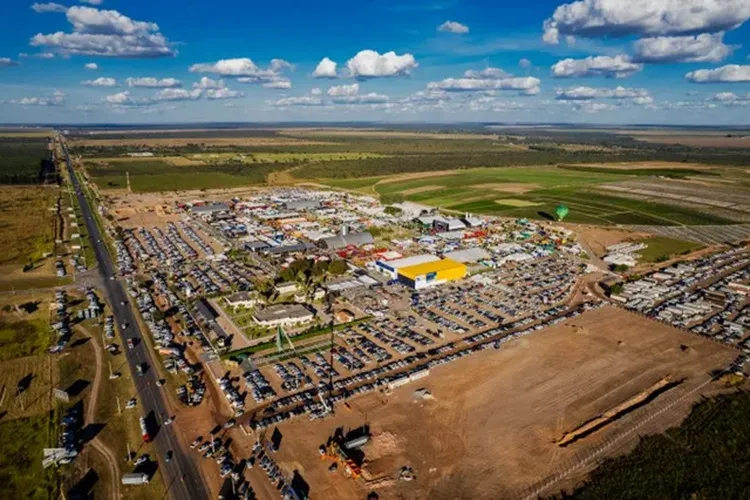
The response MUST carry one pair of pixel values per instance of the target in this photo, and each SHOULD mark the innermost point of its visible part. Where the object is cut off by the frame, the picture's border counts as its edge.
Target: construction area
(493, 431)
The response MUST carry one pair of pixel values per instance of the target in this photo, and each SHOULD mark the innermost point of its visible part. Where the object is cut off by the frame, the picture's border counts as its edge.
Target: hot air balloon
(561, 211)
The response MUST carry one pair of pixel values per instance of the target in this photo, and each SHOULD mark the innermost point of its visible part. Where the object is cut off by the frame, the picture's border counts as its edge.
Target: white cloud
(454, 27)
(57, 98)
(120, 99)
(208, 83)
(223, 93)
(369, 98)
(343, 90)
(308, 100)
(48, 7)
(153, 83)
(173, 94)
(7, 61)
(325, 69)
(594, 107)
(589, 93)
(282, 83)
(242, 66)
(524, 63)
(106, 33)
(486, 73)
(91, 66)
(101, 82)
(614, 18)
(644, 101)
(619, 66)
(92, 2)
(729, 73)
(725, 97)
(370, 64)
(666, 49)
(38, 55)
(316, 91)
(528, 84)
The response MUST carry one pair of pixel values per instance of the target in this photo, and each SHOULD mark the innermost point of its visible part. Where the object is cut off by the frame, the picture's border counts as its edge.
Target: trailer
(135, 478)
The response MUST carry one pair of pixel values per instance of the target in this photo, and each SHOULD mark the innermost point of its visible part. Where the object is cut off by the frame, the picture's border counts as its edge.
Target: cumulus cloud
(106, 33)
(153, 83)
(281, 83)
(619, 66)
(91, 66)
(247, 71)
(7, 61)
(48, 7)
(589, 93)
(101, 82)
(208, 83)
(92, 2)
(223, 93)
(57, 98)
(524, 63)
(453, 27)
(173, 94)
(121, 99)
(594, 107)
(666, 49)
(612, 18)
(731, 99)
(528, 85)
(343, 90)
(486, 73)
(731, 73)
(307, 100)
(325, 69)
(370, 64)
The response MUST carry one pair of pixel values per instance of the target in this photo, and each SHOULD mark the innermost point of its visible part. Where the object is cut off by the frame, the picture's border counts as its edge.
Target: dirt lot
(598, 239)
(489, 431)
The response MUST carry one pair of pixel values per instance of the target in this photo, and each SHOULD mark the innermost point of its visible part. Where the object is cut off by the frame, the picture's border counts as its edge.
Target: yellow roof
(412, 272)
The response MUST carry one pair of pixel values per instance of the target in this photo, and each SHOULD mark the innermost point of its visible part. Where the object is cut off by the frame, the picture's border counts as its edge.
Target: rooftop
(429, 267)
(283, 311)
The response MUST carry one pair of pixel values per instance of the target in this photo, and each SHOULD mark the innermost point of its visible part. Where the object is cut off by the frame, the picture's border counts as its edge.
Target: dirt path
(96, 443)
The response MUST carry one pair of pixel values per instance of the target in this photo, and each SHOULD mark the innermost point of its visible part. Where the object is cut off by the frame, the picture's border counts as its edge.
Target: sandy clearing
(599, 238)
(418, 175)
(490, 430)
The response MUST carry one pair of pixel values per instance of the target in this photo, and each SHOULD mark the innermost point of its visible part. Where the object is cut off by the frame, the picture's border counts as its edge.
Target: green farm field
(534, 192)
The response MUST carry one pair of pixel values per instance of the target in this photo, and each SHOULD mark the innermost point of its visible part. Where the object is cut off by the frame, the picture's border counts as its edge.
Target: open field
(481, 191)
(490, 430)
(701, 141)
(661, 248)
(21, 443)
(26, 223)
(24, 158)
(24, 325)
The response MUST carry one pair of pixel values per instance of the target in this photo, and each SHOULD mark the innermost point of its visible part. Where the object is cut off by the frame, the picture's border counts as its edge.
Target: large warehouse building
(391, 267)
(431, 273)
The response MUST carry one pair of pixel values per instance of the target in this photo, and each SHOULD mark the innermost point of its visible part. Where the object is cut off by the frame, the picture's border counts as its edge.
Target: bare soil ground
(490, 430)
(599, 238)
(421, 189)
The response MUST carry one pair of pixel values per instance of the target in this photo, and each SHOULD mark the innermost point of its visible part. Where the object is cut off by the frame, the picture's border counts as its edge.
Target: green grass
(26, 223)
(23, 338)
(706, 457)
(21, 444)
(661, 248)
(476, 190)
(673, 173)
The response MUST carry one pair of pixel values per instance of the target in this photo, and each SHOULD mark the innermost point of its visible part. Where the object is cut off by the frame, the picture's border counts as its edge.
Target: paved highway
(180, 474)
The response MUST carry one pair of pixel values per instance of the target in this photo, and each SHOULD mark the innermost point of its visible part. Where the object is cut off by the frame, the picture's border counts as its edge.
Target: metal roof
(429, 267)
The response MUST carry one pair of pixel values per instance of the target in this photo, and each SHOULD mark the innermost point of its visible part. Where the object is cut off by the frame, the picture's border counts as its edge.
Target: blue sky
(588, 61)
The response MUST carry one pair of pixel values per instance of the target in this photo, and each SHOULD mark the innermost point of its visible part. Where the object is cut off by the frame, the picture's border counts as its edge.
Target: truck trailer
(135, 478)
